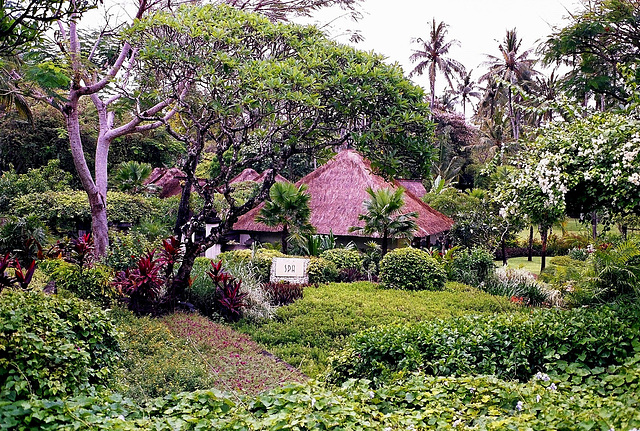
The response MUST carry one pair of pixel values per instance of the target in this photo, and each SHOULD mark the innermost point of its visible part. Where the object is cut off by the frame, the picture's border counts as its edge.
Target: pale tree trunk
(544, 231)
(85, 82)
(530, 250)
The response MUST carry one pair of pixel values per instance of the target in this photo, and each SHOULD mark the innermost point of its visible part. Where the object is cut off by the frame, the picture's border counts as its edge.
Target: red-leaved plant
(141, 285)
(23, 278)
(230, 298)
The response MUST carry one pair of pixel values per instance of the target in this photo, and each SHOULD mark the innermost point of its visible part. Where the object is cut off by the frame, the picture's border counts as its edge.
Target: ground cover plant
(508, 346)
(304, 333)
(185, 352)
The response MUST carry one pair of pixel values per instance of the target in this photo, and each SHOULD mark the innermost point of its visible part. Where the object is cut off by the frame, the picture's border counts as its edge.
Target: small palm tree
(287, 207)
(432, 55)
(130, 176)
(382, 216)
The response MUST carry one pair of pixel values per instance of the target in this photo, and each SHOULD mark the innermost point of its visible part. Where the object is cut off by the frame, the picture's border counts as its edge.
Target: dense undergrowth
(305, 332)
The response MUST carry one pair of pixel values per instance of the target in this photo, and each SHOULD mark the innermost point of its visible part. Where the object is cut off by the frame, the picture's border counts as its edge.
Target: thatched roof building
(338, 190)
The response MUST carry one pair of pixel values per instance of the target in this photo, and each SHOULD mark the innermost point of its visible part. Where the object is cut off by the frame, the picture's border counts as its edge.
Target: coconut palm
(512, 67)
(432, 55)
(466, 89)
(287, 207)
(382, 216)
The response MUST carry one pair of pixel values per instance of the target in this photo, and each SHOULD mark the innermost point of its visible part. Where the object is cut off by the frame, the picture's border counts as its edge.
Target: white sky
(389, 26)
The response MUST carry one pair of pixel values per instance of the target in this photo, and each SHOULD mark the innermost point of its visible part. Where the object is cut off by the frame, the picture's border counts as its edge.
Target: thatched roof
(338, 190)
(167, 180)
(414, 186)
(251, 175)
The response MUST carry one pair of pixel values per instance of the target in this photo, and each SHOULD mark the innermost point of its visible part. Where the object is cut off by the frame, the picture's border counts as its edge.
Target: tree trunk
(594, 225)
(543, 236)
(283, 238)
(385, 242)
(624, 230)
(177, 289)
(503, 244)
(530, 250)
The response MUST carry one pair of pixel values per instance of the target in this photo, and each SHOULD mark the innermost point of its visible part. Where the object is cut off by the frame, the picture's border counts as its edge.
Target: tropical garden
(525, 316)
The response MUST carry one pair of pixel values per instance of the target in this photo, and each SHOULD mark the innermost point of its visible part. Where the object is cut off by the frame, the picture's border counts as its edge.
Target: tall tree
(382, 216)
(599, 41)
(22, 22)
(467, 89)
(512, 68)
(432, 56)
(265, 93)
(287, 208)
(101, 69)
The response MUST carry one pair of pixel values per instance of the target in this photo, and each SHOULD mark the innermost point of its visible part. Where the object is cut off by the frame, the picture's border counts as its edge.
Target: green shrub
(562, 272)
(259, 260)
(22, 238)
(52, 346)
(125, 249)
(471, 266)
(202, 293)
(411, 269)
(91, 283)
(519, 285)
(321, 270)
(63, 210)
(344, 258)
(304, 333)
(507, 346)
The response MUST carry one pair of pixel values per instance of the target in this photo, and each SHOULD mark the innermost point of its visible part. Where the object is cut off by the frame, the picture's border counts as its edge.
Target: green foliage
(471, 266)
(36, 180)
(411, 269)
(155, 363)
(23, 238)
(521, 286)
(321, 270)
(344, 258)
(304, 333)
(52, 346)
(259, 260)
(91, 283)
(288, 209)
(382, 216)
(611, 272)
(563, 272)
(510, 346)
(62, 210)
(130, 176)
(125, 249)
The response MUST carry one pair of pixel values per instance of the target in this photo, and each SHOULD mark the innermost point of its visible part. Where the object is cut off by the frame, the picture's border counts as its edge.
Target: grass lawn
(305, 332)
(522, 262)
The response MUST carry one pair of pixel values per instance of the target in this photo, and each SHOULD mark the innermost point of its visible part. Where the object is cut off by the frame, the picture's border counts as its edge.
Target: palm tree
(382, 216)
(432, 55)
(288, 207)
(130, 176)
(467, 89)
(513, 68)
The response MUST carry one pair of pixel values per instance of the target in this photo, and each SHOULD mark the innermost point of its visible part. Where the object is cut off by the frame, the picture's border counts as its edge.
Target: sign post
(291, 269)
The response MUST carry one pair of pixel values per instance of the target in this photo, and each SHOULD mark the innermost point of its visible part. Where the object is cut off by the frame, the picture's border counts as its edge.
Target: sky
(389, 26)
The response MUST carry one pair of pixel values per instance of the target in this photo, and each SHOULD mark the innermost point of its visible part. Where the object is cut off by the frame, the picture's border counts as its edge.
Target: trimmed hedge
(411, 269)
(344, 258)
(260, 261)
(321, 270)
(509, 346)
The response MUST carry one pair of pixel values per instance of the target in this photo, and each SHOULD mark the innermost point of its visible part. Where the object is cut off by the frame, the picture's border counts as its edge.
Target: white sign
(291, 269)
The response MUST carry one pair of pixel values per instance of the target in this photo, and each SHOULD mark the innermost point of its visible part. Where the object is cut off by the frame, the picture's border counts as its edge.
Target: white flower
(552, 387)
(121, 417)
(519, 406)
(635, 179)
(542, 376)
(538, 398)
